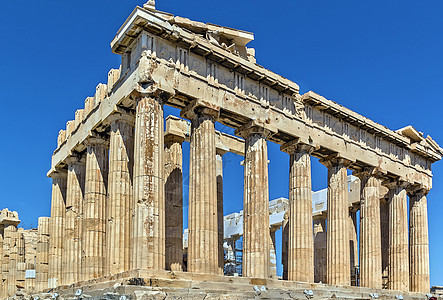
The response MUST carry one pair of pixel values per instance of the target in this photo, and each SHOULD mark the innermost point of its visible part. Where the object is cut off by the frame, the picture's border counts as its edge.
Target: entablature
(406, 137)
(351, 117)
(145, 20)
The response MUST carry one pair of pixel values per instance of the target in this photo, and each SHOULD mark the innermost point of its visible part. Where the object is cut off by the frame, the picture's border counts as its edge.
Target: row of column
(81, 212)
(141, 225)
(110, 219)
(406, 254)
(386, 249)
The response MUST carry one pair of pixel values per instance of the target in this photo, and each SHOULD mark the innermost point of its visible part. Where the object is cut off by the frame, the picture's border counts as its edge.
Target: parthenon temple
(117, 182)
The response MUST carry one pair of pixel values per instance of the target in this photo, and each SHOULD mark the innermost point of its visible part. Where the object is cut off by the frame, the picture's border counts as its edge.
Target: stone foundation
(183, 285)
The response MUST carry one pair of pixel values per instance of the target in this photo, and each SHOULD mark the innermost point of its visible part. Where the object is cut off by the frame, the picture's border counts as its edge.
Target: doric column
(256, 242)
(74, 205)
(42, 257)
(203, 228)
(273, 253)
(337, 259)
(8, 261)
(148, 233)
(285, 244)
(58, 212)
(119, 205)
(320, 246)
(370, 229)
(13, 260)
(220, 221)
(353, 244)
(418, 242)
(94, 210)
(384, 229)
(398, 237)
(9, 287)
(301, 244)
(174, 202)
(20, 262)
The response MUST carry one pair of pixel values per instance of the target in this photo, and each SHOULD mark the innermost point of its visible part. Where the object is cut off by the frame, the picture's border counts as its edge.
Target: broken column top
(8, 217)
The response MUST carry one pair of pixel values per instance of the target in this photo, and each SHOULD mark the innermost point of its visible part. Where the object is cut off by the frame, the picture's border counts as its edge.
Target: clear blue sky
(382, 59)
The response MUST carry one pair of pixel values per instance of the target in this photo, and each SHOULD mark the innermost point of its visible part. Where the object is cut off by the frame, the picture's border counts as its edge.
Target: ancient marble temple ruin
(117, 184)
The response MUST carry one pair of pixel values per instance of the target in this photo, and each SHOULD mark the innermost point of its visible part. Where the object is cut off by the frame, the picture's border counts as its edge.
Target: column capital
(176, 129)
(75, 158)
(297, 146)
(417, 190)
(335, 159)
(146, 85)
(366, 172)
(320, 216)
(200, 108)
(220, 152)
(121, 117)
(138, 97)
(354, 207)
(59, 174)
(173, 138)
(274, 228)
(256, 127)
(94, 139)
(396, 183)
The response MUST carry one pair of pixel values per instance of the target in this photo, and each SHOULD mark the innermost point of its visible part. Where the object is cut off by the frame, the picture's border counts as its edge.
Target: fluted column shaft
(148, 233)
(273, 253)
(256, 241)
(320, 246)
(301, 244)
(4, 261)
(119, 204)
(220, 224)
(384, 229)
(398, 238)
(285, 245)
(337, 260)
(20, 262)
(419, 242)
(42, 257)
(74, 207)
(370, 231)
(174, 203)
(94, 210)
(203, 236)
(56, 239)
(353, 244)
(13, 260)
(10, 262)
